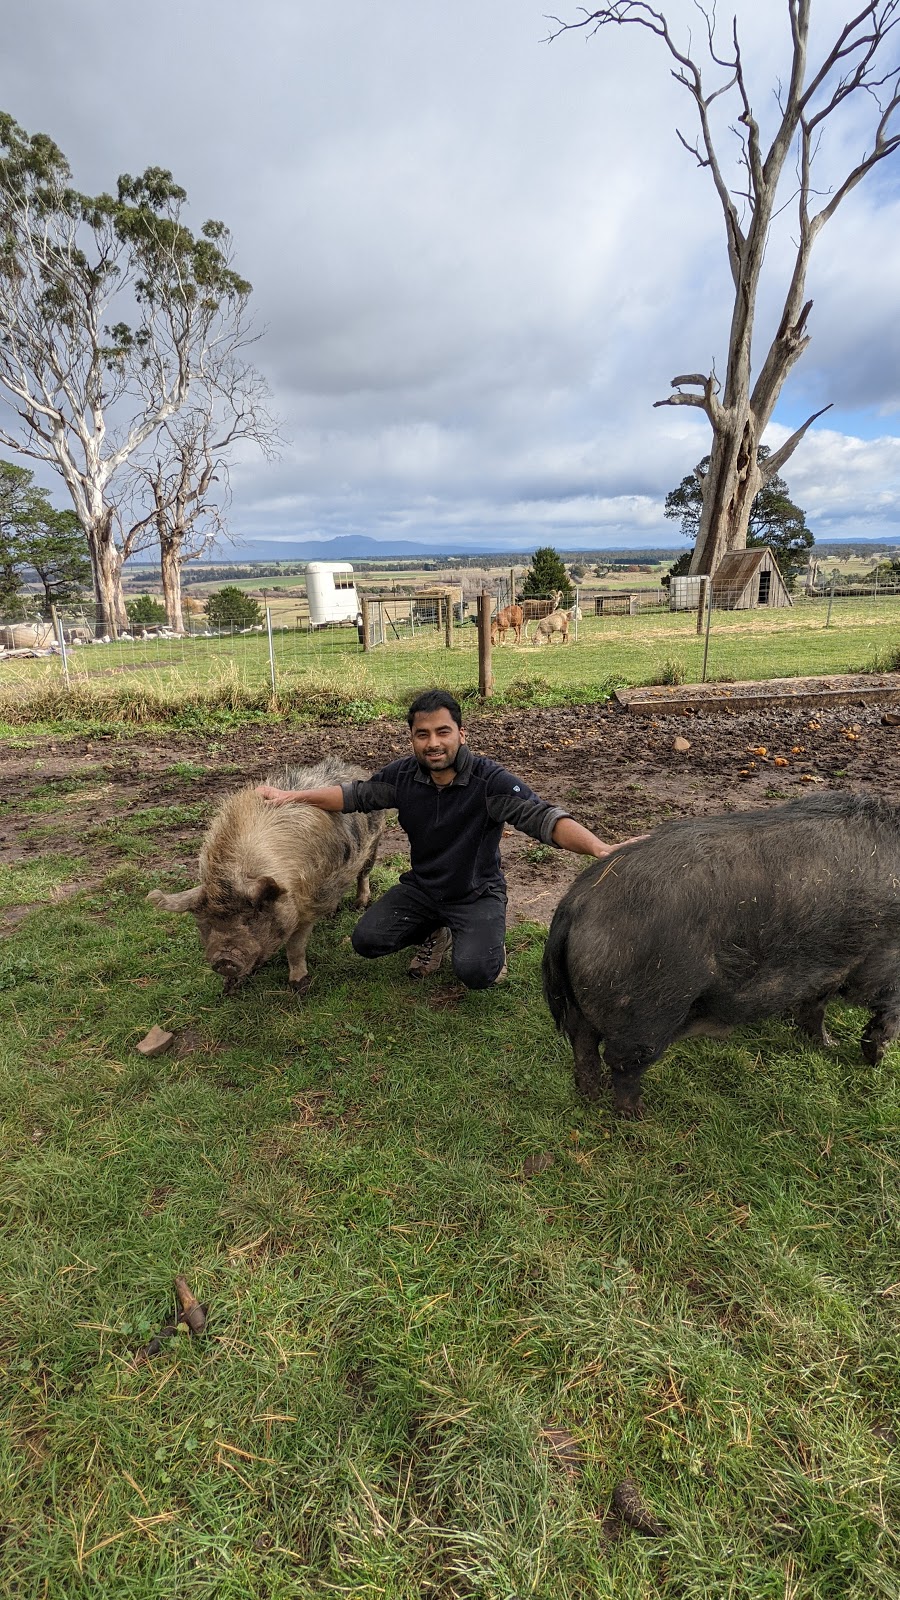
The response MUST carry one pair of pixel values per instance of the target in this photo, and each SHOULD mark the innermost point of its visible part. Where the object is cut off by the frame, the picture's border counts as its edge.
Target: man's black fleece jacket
(454, 829)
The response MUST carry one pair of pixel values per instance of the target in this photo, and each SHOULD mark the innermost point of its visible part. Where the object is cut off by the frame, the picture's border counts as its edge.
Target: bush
(145, 610)
(230, 607)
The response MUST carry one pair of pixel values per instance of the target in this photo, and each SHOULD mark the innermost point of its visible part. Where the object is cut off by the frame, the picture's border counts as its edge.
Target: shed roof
(737, 567)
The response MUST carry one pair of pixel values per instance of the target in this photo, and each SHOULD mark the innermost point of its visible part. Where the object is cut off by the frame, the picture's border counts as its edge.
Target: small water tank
(684, 592)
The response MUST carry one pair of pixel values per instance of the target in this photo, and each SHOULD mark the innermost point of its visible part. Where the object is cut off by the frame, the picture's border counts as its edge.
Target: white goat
(556, 622)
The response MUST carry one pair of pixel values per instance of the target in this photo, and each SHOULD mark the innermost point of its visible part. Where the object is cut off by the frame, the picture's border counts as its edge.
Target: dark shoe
(430, 954)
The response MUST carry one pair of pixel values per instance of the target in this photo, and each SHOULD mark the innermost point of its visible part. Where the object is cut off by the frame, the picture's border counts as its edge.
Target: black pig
(713, 922)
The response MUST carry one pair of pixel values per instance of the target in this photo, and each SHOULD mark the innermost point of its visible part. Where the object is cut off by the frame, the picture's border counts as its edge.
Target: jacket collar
(463, 765)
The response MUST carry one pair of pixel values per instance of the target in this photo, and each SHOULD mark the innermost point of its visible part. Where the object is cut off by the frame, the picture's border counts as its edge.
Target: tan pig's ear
(262, 891)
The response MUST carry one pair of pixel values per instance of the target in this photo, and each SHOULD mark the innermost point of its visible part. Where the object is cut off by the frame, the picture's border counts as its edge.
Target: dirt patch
(617, 773)
(11, 917)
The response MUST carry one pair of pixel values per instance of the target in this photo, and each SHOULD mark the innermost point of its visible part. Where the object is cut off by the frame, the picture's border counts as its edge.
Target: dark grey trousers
(406, 915)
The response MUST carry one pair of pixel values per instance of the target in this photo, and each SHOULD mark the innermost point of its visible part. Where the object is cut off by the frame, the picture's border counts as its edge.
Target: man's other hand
(610, 849)
(276, 797)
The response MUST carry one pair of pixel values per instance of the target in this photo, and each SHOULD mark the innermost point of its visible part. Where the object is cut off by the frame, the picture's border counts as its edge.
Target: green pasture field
(385, 578)
(450, 1307)
(327, 670)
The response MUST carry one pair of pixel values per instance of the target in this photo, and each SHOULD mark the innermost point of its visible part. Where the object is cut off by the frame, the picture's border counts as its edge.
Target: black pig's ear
(189, 900)
(265, 890)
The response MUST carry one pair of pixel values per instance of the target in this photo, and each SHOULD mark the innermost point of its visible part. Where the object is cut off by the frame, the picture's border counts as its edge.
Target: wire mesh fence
(695, 631)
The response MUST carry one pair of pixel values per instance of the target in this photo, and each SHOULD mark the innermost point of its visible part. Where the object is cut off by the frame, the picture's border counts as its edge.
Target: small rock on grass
(155, 1042)
(191, 1310)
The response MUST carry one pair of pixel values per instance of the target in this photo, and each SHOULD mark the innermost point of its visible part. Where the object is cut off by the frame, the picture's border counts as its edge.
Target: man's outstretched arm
(513, 803)
(570, 835)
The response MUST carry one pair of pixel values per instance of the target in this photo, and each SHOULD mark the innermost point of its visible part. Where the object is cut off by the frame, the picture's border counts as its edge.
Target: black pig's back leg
(883, 1027)
(585, 1042)
(811, 1018)
(628, 1060)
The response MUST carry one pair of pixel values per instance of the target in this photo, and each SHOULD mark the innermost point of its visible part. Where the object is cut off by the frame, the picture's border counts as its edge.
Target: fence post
(708, 621)
(701, 603)
(364, 608)
(830, 601)
(271, 650)
(61, 640)
(575, 617)
(448, 621)
(485, 672)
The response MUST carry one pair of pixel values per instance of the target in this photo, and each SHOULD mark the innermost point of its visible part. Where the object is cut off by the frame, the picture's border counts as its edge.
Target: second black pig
(714, 922)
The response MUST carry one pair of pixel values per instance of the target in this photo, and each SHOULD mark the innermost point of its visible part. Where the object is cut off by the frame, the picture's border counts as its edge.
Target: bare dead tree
(183, 482)
(852, 69)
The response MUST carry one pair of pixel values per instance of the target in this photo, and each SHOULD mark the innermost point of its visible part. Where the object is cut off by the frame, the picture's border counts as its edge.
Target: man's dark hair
(435, 700)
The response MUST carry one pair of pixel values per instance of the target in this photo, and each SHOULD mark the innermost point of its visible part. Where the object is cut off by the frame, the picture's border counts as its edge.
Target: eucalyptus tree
(775, 520)
(182, 480)
(853, 84)
(110, 310)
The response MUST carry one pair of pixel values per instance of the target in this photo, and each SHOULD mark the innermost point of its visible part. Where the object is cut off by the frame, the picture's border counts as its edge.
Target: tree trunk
(121, 610)
(730, 487)
(170, 574)
(107, 569)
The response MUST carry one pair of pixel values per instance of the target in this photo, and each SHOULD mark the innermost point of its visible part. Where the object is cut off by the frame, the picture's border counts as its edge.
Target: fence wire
(701, 632)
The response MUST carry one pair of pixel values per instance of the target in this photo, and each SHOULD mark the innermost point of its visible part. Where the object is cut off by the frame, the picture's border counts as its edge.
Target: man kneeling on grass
(453, 806)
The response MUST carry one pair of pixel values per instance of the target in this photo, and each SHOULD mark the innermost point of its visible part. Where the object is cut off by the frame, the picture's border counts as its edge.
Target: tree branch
(773, 463)
(707, 401)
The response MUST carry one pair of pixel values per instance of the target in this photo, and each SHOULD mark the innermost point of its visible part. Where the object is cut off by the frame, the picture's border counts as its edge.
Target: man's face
(435, 740)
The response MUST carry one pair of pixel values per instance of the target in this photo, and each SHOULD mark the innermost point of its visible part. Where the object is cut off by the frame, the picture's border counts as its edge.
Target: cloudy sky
(477, 258)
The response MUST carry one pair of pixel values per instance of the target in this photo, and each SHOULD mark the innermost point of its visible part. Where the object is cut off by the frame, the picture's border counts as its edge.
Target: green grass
(706, 1301)
(206, 683)
(25, 882)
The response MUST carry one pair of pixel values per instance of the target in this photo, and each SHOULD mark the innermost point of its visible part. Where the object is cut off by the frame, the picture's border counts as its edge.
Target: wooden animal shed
(745, 579)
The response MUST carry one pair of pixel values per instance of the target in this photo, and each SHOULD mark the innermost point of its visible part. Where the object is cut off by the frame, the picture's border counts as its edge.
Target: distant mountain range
(345, 547)
(362, 547)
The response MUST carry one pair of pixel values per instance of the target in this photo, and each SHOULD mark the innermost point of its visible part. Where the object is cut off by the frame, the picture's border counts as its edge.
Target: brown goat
(269, 873)
(509, 617)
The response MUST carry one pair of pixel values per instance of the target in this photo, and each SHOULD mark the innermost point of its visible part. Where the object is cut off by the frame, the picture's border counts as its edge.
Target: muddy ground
(617, 773)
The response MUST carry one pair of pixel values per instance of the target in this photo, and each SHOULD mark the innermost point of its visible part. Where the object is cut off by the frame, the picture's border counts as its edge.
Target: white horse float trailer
(331, 593)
